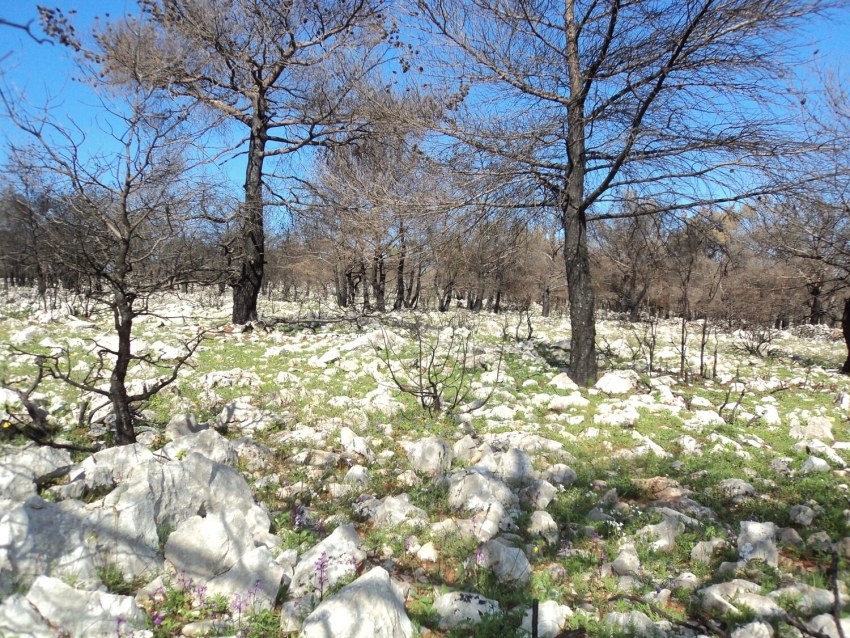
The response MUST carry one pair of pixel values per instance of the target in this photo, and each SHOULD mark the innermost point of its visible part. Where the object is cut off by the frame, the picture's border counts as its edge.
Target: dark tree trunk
(379, 281)
(411, 298)
(583, 367)
(816, 313)
(399, 279)
(845, 328)
(123, 314)
(248, 281)
(340, 285)
(444, 299)
(547, 301)
(366, 305)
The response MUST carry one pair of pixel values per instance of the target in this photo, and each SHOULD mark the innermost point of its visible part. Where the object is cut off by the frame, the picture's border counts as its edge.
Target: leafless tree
(284, 72)
(121, 217)
(596, 101)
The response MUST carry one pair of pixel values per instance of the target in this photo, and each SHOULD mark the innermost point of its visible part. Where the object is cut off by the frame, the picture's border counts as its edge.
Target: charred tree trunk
(399, 279)
(123, 314)
(340, 285)
(547, 302)
(248, 281)
(367, 306)
(583, 367)
(845, 328)
(411, 298)
(379, 281)
(816, 313)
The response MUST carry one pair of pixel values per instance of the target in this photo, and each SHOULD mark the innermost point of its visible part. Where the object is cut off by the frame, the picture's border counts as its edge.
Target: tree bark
(379, 280)
(845, 328)
(248, 281)
(399, 280)
(123, 314)
(413, 286)
(583, 367)
(816, 313)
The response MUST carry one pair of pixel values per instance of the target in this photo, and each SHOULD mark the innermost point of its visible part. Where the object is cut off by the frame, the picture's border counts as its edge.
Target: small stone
(737, 489)
(551, 619)
(790, 536)
(814, 464)
(618, 382)
(560, 474)
(542, 524)
(509, 564)
(753, 630)
(428, 553)
(819, 541)
(802, 515)
(627, 562)
(756, 541)
(686, 581)
(457, 608)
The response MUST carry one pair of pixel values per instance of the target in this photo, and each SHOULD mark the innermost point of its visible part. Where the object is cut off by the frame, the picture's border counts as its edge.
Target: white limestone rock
(816, 427)
(207, 442)
(563, 382)
(509, 564)
(256, 574)
(111, 466)
(355, 444)
(397, 510)
(618, 382)
(226, 538)
(19, 618)
(244, 418)
(632, 623)
(736, 595)
(42, 538)
(825, 624)
(477, 490)
(808, 600)
(551, 619)
(567, 403)
(431, 455)
(757, 541)
(560, 474)
(543, 525)
(755, 629)
(459, 608)
(813, 465)
(325, 564)
(627, 562)
(85, 614)
(370, 607)
(802, 515)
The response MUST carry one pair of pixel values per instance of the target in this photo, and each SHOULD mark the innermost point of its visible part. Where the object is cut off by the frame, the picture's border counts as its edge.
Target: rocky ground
(286, 485)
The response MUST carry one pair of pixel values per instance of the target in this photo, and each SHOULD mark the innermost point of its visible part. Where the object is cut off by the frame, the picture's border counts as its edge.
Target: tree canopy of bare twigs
(283, 73)
(677, 102)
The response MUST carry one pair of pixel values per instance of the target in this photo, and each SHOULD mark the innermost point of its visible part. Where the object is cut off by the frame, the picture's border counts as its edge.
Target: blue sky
(45, 72)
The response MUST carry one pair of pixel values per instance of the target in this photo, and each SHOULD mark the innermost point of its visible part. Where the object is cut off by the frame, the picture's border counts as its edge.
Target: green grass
(569, 570)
